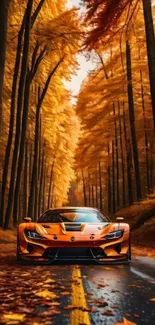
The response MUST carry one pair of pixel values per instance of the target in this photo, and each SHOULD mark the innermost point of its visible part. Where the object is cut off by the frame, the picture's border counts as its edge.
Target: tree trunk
(31, 154)
(93, 199)
(50, 185)
(109, 180)
(151, 169)
(34, 180)
(41, 183)
(25, 187)
(44, 189)
(117, 162)
(100, 182)
(96, 191)
(12, 108)
(53, 187)
(113, 178)
(145, 135)
(37, 183)
(19, 113)
(122, 158)
(150, 41)
(128, 160)
(84, 189)
(22, 148)
(12, 117)
(132, 121)
(4, 5)
(30, 75)
(89, 191)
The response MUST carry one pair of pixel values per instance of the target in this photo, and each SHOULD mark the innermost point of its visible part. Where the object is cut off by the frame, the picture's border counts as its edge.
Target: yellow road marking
(78, 316)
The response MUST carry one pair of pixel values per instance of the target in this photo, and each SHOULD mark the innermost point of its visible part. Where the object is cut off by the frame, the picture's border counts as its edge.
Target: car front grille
(73, 253)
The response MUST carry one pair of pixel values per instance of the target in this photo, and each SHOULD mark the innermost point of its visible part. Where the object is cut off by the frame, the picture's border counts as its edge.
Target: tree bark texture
(4, 6)
(132, 121)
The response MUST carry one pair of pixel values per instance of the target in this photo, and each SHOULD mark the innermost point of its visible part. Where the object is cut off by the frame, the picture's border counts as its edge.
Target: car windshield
(73, 215)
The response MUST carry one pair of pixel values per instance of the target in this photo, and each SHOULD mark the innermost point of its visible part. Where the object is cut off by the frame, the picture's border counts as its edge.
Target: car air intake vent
(73, 226)
(46, 226)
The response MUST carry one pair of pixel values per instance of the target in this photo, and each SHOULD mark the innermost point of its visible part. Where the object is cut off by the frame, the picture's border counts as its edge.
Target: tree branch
(36, 12)
(37, 62)
(41, 97)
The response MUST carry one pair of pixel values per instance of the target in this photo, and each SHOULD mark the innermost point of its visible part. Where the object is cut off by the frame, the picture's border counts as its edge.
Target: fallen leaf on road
(101, 286)
(115, 307)
(18, 317)
(134, 285)
(90, 309)
(127, 314)
(126, 322)
(70, 307)
(65, 293)
(39, 284)
(107, 268)
(136, 315)
(101, 303)
(25, 274)
(25, 310)
(50, 312)
(46, 294)
(52, 303)
(49, 281)
(108, 313)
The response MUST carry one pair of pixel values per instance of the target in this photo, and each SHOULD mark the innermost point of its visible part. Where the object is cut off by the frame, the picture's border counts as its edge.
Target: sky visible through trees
(77, 105)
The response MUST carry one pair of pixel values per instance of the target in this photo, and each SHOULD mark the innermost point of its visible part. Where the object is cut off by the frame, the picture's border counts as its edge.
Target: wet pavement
(77, 294)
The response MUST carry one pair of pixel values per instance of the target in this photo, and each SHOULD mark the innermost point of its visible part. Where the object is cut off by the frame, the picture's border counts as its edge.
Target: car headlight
(33, 235)
(114, 234)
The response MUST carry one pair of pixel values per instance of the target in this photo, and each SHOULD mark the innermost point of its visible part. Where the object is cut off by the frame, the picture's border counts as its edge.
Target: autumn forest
(96, 149)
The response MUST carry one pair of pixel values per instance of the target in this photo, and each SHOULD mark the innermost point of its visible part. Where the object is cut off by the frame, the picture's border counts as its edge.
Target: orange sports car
(74, 234)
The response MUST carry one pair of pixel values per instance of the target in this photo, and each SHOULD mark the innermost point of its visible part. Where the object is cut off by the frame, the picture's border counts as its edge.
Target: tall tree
(19, 113)
(150, 41)
(4, 5)
(13, 102)
(34, 181)
(132, 121)
(29, 78)
(105, 14)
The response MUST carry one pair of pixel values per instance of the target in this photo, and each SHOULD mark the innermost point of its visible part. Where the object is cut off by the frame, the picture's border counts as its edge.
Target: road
(77, 294)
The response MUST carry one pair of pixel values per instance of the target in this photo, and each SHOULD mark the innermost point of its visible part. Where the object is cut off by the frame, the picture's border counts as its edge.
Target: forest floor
(141, 217)
(8, 243)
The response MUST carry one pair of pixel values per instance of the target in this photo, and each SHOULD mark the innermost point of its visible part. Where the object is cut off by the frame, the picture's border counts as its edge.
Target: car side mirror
(27, 219)
(119, 219)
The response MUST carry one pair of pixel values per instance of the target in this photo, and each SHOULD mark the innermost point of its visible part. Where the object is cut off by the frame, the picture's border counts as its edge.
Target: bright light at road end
(76, 80)
(73, 3)
(84, 65)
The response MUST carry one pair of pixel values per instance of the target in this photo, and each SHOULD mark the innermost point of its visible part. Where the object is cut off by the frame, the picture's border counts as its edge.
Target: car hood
(81, 228)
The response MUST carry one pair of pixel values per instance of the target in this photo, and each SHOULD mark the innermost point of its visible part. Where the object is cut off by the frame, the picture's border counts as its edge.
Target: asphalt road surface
(77, 294)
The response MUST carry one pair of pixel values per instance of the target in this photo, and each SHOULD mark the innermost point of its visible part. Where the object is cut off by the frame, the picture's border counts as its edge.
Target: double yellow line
(78, 315)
